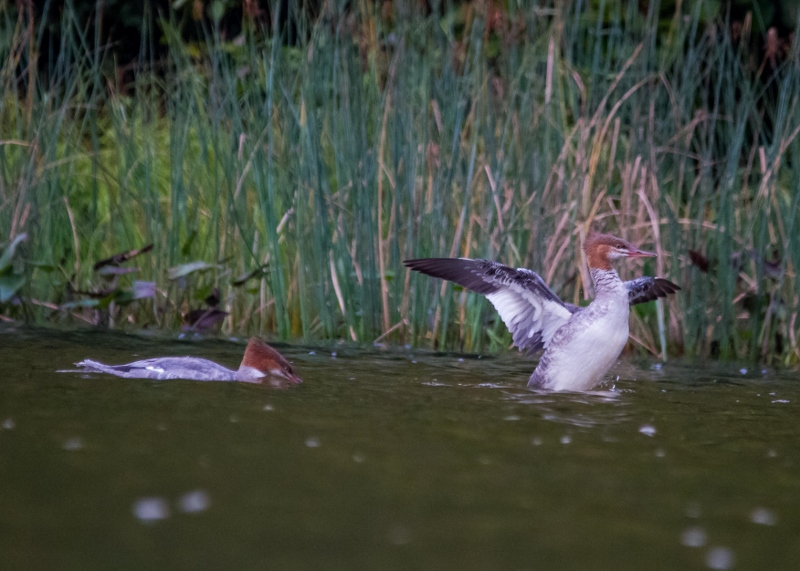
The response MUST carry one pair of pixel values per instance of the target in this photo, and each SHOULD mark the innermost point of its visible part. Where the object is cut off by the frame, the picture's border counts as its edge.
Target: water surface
(390, 459)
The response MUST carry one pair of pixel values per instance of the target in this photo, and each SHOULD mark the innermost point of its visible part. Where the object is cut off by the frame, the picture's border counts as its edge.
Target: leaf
(186, 248)
(8, 253)
(44, 266)
(118, 259)
(9, 285)
(142, 289)
(185, 269)
(259, 271)
(204, 318)
(115, 271)
(80, 303)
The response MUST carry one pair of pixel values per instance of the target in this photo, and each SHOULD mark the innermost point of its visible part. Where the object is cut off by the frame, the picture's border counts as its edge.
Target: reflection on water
(388, 458)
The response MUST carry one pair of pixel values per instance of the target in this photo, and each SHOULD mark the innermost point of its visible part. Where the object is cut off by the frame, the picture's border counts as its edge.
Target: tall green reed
(377, 138)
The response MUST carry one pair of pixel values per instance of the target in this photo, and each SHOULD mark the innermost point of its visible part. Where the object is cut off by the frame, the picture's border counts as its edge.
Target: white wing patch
(531, 319)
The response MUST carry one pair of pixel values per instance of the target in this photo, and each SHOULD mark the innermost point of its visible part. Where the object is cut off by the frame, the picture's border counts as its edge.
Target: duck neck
(607, 283)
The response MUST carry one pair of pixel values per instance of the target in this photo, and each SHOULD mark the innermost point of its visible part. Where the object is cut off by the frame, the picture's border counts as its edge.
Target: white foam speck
(358, 457)
(693, 537)
(9, 424)
(693, 510)
(648, 430)
(268, 407)
(743, 371)
(566, 439)
(763, 516)
(194, 502)
(780, 401)
(152, 509)
(312, 442)
(660, 453)
(72, 444)
(399, 535)
(511, 417)
(720, 558)
(536, 441)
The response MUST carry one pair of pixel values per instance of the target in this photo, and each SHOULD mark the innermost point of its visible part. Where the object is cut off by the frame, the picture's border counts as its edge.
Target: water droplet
(399, 535)
(194, 501)
(312, 352)
(743, 371)
(9, 424)
(720, 558)
(333, 355)
(149, 510)
(566, 439)
(648, 430)
(268, 407)
(763, 516)
(460, 360)
(693, 537)
(72, 444)
(693, 510)
(312, 442)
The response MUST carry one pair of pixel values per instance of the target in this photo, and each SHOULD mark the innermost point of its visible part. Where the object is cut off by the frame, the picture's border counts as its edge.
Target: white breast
(588, 350)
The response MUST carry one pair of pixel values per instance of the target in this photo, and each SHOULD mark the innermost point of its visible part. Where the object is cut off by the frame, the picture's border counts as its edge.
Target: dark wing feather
(530, 309)
(642, 290)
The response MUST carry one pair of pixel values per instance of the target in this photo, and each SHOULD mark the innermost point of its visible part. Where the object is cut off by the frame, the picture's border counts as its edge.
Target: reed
(377, 138)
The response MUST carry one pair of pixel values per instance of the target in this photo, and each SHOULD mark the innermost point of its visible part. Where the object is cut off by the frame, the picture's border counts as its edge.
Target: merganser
(580, 343)
(261, 363)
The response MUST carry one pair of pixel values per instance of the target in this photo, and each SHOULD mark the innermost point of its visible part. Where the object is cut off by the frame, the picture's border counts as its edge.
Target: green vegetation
(296, 176)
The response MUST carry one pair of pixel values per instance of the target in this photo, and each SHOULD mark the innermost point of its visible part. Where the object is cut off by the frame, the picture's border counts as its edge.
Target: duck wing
(642, 290)
(531, 310)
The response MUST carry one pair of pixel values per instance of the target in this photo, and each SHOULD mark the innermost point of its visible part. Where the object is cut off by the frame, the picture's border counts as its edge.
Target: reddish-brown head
(602, 248)
(267, 360)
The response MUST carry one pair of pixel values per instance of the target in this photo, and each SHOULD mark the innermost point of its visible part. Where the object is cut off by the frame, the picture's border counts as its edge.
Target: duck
(260, 364)
(580, 344)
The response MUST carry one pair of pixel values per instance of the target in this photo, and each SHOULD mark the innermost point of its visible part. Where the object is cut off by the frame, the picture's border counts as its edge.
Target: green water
(394, 459)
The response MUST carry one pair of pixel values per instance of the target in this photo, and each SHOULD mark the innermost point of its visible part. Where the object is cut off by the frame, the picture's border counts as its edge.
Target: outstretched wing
(646, 289)
(530, 309)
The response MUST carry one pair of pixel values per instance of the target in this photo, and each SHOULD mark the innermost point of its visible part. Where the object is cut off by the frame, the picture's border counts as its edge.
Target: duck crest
(262, 357)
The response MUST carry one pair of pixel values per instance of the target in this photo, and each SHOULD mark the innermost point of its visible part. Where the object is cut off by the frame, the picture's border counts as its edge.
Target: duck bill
(637, 253)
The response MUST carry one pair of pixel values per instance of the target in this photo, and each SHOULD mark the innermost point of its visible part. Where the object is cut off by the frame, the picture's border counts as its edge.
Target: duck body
(587, 345)
(165, 368)
(580, 343)
(261, 363)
